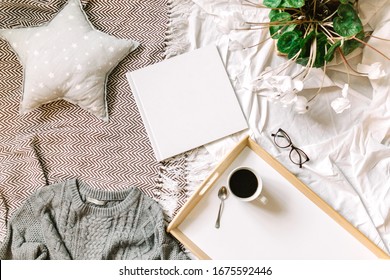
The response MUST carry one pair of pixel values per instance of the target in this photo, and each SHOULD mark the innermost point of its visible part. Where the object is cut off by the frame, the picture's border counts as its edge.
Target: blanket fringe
(171, 185)
(199, 165)
(176, 41)
(194, 165)
(172, 182)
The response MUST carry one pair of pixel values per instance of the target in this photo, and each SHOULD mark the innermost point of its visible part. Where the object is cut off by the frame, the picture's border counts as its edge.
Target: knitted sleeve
(24, 240)
(168, 247)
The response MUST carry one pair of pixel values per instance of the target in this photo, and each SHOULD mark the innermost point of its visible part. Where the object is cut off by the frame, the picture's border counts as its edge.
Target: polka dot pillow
(67, 58)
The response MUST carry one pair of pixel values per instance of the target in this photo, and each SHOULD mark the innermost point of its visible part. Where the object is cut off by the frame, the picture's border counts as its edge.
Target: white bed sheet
(349, 153)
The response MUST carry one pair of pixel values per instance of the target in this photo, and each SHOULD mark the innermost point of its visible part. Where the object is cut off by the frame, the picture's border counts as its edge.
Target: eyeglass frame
(298, 150)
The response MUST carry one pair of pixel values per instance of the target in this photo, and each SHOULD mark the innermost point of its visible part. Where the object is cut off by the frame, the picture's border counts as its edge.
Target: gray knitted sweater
(71, 221)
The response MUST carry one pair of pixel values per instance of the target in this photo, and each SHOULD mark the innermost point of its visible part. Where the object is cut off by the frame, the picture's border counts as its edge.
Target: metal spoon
(222, 194)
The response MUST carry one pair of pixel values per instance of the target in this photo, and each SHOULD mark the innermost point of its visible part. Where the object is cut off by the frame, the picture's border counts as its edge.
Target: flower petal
(301, 106)
(344, 91)
(340, 104)
(298, 85)
(374, 71)
(288, 98)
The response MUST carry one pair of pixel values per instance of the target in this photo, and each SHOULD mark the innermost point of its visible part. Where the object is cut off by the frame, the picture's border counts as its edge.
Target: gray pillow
(67, 58)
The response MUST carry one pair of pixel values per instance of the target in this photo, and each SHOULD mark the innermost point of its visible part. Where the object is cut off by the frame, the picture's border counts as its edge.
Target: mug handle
(262, 199)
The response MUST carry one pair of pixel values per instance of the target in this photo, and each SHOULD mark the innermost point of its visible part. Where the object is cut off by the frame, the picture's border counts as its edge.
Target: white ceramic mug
(246, 185)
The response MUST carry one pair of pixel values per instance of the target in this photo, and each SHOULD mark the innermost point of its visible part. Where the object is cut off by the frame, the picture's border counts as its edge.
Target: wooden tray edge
(224, 164)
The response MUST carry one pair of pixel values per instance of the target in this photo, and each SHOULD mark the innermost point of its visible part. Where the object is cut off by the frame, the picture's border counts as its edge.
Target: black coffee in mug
(243, 183)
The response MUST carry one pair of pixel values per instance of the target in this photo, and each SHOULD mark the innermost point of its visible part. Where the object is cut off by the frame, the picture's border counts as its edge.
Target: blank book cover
(186, 101)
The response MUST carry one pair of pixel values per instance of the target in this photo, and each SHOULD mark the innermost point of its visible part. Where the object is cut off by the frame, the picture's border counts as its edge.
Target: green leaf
(287, 41)
(273, 12)
(322, 41)
(285, 28)
(344, 1)
(292, 3)
(295, 48)
(272, 3)
(321, 38)
(351, 45)
(306, 44)
(278, 18)
(330, 53)
(303, 61)
(347, 23)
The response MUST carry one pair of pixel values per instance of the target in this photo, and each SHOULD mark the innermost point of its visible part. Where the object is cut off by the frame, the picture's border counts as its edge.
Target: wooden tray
(295, 224)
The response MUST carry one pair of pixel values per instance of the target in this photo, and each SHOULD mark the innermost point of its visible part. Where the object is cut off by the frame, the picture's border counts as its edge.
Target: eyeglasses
(282, 140)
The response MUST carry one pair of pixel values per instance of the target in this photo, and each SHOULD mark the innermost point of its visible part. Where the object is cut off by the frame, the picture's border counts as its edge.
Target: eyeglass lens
(282, 140)
(297, 156)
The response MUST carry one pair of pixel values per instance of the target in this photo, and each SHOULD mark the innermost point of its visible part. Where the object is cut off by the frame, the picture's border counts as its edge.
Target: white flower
(301, 106)
(288, 84)
(298, 84)
(278, 88)
(373, 71)
(288, 97)
(342, 103)
(281, 88)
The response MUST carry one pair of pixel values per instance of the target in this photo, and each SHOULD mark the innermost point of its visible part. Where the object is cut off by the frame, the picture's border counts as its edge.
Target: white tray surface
(290, 226)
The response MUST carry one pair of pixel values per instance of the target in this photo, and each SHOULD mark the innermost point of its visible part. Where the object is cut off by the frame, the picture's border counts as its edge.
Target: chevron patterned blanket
(59, 140)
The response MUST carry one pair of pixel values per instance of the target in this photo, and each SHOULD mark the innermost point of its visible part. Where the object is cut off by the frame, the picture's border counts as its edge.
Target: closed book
(186, 101)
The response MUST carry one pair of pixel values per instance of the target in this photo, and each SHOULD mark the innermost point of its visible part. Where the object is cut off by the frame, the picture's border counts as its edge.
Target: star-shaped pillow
(68, 59)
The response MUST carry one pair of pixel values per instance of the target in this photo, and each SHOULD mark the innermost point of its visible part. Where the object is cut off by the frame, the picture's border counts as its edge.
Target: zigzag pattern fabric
(60, 141)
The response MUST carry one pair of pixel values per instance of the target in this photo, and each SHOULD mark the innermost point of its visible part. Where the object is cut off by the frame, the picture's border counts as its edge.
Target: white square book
(186, 101)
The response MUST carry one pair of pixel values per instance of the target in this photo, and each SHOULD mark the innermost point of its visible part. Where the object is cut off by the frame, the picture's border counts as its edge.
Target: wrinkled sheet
(349, 152)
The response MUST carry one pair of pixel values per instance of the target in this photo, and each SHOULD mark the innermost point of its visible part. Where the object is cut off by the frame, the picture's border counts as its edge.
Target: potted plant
(311, 33)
